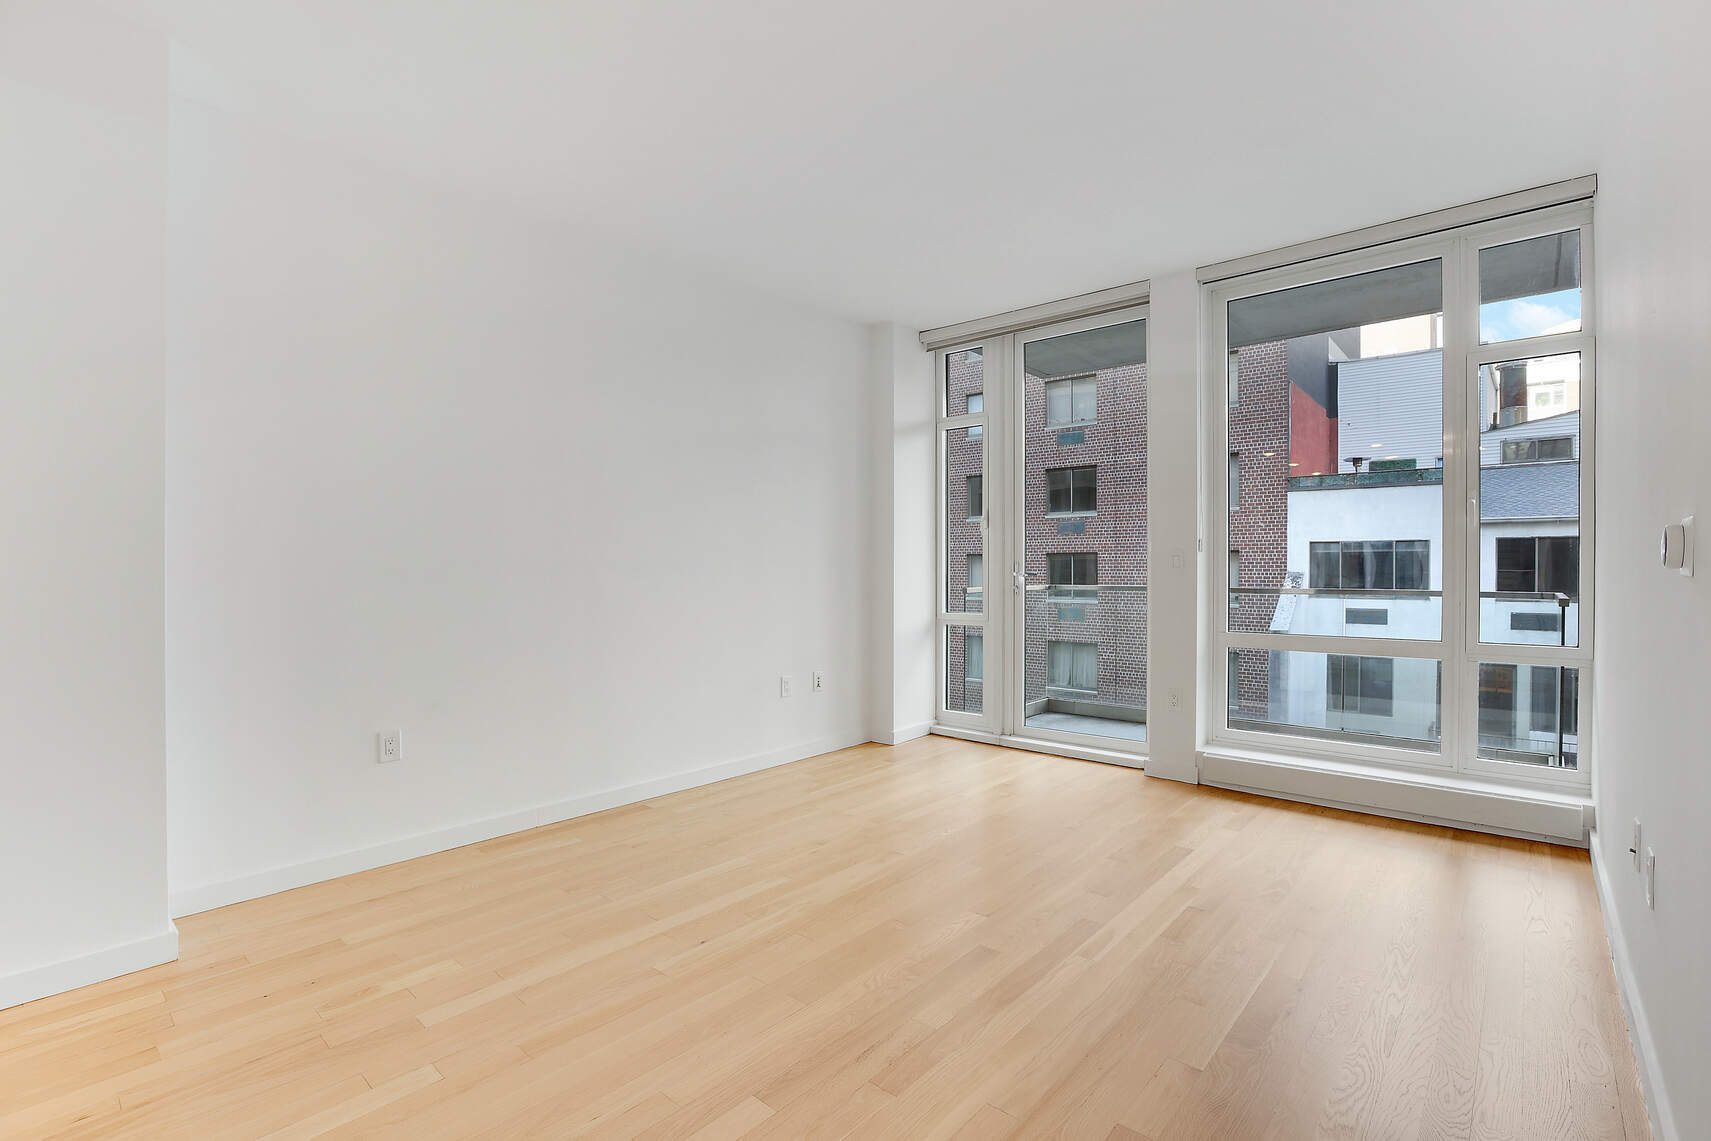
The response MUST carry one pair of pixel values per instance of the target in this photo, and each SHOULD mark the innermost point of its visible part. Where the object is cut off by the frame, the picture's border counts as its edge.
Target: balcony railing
(1357, 595)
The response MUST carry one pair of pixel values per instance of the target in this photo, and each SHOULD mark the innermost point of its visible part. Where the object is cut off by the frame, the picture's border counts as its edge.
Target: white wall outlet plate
(819, 682)
(1651, 879)
(784, 685)
(391, 746)
(1634, 849)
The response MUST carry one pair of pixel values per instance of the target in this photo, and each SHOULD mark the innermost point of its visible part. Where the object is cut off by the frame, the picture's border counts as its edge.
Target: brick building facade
(1114, 533)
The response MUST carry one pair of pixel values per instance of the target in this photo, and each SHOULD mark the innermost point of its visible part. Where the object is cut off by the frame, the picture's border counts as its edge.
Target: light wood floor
(937, 940)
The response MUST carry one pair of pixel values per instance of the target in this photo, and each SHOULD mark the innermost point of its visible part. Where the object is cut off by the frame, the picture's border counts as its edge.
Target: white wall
(563, 516)
(1654, 626)
(904, 398)
(82, 261)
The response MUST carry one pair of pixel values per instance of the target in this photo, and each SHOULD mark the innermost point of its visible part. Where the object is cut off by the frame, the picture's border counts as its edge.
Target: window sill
(1070, 425)
(1455, 800)
(1070, 514)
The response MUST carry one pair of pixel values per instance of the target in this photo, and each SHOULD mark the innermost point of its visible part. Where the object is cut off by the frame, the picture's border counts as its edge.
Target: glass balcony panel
(1530, 715)
(1351, 698)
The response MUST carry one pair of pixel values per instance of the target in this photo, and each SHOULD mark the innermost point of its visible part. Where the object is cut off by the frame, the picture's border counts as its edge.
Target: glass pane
(1336, 457)
(1085, 616)
(1340, 697)
(965, 376)
(1530, 288)
(1529, 501)
(965, 505)
(1530, 715)
(1086, 395)
(965, 668)
(1058, 403)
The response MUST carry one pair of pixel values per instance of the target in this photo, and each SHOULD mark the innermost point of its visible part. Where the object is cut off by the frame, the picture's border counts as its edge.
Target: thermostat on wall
(1676, 546)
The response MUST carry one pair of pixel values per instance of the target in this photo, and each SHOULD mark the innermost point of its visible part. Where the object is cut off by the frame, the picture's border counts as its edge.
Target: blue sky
(1530, 316)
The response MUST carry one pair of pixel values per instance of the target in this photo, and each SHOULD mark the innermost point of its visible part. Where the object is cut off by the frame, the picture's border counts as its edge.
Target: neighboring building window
(1073, 665)
(1365, 616)
(976, 497)
(976, 403)
(1232, 671)
(1497, 703)
(974, 665)
(1235, 480)
(1072, 490)
(1235, 369)
(976, 574)
(1066, 572)
(1358, 685)
(1235, 578)
(1543, 684)
(1072, 401)
(1400, 564)
(1549, 622)
(1542, 564)
(1534, 451)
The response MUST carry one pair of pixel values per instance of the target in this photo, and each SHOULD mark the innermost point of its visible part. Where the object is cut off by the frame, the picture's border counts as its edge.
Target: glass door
(1078, 541)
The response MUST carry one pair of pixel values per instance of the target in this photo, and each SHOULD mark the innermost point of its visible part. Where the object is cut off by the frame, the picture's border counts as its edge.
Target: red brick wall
(1260, 424)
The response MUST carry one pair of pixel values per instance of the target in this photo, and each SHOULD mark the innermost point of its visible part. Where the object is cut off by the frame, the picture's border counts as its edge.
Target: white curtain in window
(1073, 665)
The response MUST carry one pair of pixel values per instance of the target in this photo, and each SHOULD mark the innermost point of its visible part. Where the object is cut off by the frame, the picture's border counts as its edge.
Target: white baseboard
(1639, 1030)
(203, 897)
(903, 733)
(98, 966)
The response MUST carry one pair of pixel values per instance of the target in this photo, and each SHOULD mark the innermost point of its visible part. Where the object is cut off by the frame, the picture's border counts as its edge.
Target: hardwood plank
(941, 940)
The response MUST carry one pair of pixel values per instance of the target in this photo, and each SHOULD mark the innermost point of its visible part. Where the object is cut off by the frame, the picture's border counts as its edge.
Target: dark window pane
(1086, 489)
(976, 497)
(1325, 561)
(1516, 565)
(1543, 711)
(1413, 565)
(1497, 701)
(1557, 448)
(1058, 497)
(1375, 686)
(1559, 564)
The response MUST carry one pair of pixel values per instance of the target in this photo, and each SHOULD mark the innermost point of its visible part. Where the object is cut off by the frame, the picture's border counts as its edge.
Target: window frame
(1457, 648)
(1074, 511)
(994, 358)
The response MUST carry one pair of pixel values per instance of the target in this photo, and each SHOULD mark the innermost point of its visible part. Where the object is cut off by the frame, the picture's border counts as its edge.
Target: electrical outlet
(1634, 849)
(391, 746)
(784, 686)
(819, 682)
(1651, 879)
(1175, 699)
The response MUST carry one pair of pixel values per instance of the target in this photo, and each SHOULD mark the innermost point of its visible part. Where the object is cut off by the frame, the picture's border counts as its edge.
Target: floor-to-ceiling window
(1043, 533)
(1402, 492)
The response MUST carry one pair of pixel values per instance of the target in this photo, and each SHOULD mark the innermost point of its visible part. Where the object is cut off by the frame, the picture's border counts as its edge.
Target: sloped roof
(1530, 491)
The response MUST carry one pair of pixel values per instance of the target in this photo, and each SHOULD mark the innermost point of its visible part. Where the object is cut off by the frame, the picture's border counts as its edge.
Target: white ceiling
(933, 160)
